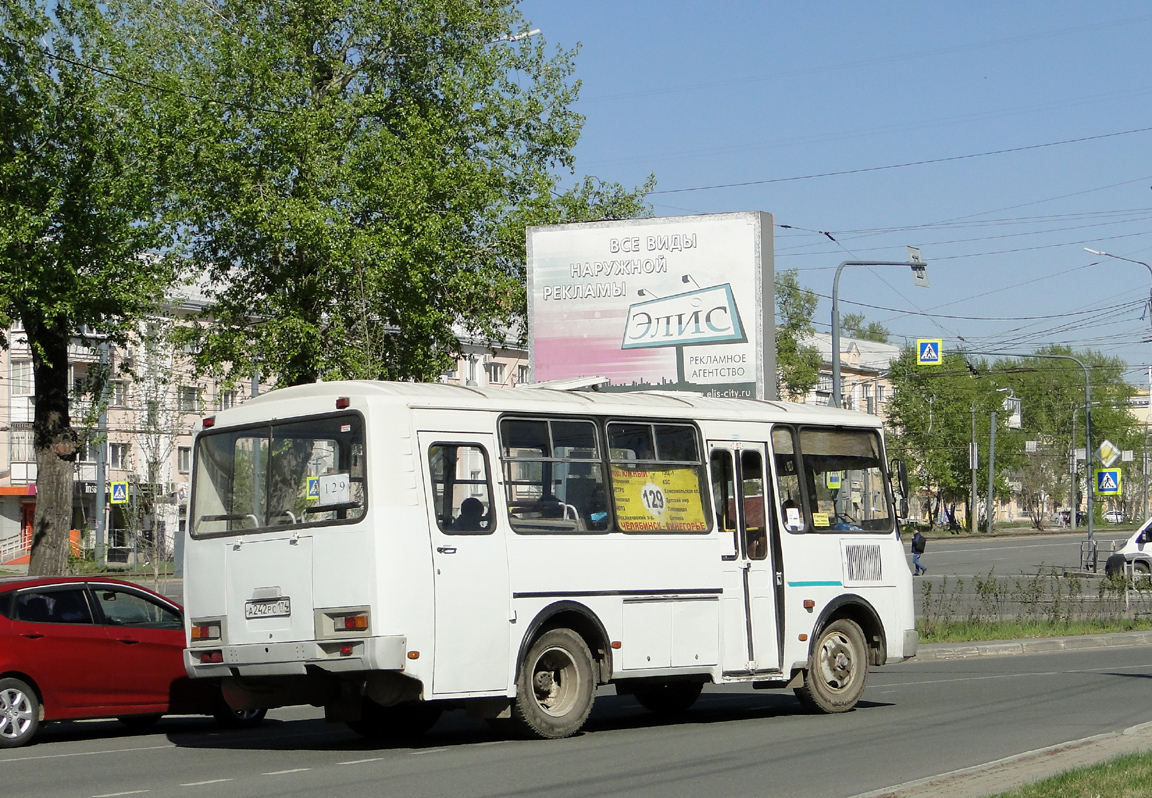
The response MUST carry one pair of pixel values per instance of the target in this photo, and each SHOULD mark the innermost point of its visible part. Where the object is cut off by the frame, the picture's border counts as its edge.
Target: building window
(119, 393)
(184, 459)
(521, 375)
(188, 399)
(84, 452)
(22, 378)
(20, 443)
(227, 399)
(118, 455)
(495, 373)
(880, 394)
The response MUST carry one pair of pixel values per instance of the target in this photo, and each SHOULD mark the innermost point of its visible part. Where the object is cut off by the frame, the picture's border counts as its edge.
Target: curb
(1039, 645)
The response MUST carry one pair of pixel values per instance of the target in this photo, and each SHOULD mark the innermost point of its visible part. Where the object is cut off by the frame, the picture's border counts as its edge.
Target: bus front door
(744, 513)
(470, 564)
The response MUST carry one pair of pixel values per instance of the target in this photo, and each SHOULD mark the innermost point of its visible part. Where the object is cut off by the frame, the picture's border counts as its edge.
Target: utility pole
(991, 470)
(973, 455)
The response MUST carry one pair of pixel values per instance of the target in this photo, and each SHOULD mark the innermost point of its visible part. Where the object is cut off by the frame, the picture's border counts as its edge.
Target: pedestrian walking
(918, 542)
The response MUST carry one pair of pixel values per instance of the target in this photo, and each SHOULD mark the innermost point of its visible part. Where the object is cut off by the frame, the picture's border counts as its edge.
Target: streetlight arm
(836, 398)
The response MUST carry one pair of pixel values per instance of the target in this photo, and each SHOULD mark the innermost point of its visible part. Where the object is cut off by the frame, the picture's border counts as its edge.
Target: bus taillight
(201, 631)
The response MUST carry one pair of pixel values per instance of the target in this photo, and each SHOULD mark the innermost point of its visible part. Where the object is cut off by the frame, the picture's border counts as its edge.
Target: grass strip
(1127, 776)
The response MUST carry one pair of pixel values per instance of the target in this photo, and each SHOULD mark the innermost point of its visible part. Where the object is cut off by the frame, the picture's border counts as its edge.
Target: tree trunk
(55, 445)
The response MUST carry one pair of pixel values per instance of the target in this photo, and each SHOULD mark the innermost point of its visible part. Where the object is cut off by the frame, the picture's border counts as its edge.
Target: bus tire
(555, 686)
(396, 723)
(668, 698)
(837, 669)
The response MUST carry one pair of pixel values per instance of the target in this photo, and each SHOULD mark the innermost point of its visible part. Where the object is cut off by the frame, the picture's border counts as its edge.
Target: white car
(1114, 517)
(1137, 550)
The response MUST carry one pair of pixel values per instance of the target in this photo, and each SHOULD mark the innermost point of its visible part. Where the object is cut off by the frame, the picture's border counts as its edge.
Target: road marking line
(202, 783)
(284, 772)
(115, 794)
(89, 753)
(361, 761)
(429, 751)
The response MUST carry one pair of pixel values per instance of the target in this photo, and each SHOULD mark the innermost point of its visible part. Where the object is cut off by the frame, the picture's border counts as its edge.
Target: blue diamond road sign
(928, 351)
(1108, 482)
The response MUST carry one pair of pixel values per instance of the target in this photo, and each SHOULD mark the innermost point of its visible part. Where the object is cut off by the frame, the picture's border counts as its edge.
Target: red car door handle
(31, 635)
(128, 641)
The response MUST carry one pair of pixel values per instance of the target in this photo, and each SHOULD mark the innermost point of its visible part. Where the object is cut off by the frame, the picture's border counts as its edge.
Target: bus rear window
(260, 478)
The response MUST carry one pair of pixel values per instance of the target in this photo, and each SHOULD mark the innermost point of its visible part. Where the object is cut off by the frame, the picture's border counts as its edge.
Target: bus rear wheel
(669, 698)
(396, 723)
(555, 687)
(837, 669)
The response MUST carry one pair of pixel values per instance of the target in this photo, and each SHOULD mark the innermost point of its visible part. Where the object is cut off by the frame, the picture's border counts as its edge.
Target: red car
(85, 647)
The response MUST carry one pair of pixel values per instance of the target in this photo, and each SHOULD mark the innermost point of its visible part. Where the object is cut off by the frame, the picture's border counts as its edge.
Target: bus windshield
(296, 472)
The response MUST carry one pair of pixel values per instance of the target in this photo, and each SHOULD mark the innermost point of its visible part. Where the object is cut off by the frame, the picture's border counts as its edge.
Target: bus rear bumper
(384, 653)
(911, 643)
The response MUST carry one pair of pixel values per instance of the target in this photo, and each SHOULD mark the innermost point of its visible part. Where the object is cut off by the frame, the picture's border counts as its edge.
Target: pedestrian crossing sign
(1108, 482)
(928, 351)
(313, 489)
(832, 480)
(119, 493)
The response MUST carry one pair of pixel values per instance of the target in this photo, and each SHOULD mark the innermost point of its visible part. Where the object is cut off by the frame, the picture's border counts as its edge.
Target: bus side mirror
(901, 472)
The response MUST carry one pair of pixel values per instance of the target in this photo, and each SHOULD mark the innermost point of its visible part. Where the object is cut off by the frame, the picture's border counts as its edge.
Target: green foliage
(358, 174)
(933, 409)
(81, 169)
(854, 325)
(797, 365)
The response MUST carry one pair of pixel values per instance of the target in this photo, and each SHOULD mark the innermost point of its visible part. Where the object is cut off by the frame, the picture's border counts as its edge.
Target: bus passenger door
(744, 512)
(470, 564)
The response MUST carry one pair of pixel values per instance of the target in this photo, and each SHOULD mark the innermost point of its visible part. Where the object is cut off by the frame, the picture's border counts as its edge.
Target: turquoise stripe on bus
(835, 583)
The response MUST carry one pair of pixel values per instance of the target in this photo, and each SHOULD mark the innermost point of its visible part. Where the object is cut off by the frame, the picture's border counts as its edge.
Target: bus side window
(724, 494)
(755, 504)
(461, 493)
(788, 480)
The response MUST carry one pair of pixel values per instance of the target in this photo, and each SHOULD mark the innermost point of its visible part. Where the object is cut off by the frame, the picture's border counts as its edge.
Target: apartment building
(137, 440)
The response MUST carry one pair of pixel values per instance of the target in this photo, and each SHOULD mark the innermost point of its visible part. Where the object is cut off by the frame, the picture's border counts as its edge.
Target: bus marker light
(413, 655)
(210, 421)
(809, 604)
(345, 651)
(342, 402)
(616, 644)
(209, 657)
(803, 638)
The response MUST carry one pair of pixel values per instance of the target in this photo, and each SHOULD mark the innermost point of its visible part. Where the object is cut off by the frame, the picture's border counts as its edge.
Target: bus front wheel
(555, 686)
(837, 669)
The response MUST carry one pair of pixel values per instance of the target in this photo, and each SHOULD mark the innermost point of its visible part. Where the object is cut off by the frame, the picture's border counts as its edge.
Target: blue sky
(813, 111)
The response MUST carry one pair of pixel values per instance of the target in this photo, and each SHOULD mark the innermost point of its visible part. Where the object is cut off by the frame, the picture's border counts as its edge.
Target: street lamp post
(919, 277)
(1087, 425)
(1149, 268)
(992, 461)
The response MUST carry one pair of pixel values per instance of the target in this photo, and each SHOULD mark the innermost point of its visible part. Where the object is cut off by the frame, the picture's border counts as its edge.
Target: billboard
(677, 303)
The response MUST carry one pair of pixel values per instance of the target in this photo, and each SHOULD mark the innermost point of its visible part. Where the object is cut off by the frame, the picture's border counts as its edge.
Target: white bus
(391, 550)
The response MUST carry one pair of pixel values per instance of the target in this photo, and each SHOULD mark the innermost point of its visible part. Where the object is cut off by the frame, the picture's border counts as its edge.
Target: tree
(1052, 396)
(79, 171)
(359, 174)
(797, 364)
(854, 325)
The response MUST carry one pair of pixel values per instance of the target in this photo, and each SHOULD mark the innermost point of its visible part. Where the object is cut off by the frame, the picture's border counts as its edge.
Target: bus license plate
(268, 608)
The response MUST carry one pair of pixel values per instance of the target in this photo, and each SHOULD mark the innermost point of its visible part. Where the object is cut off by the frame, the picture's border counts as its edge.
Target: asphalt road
(917, 719)
(1014, 554)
